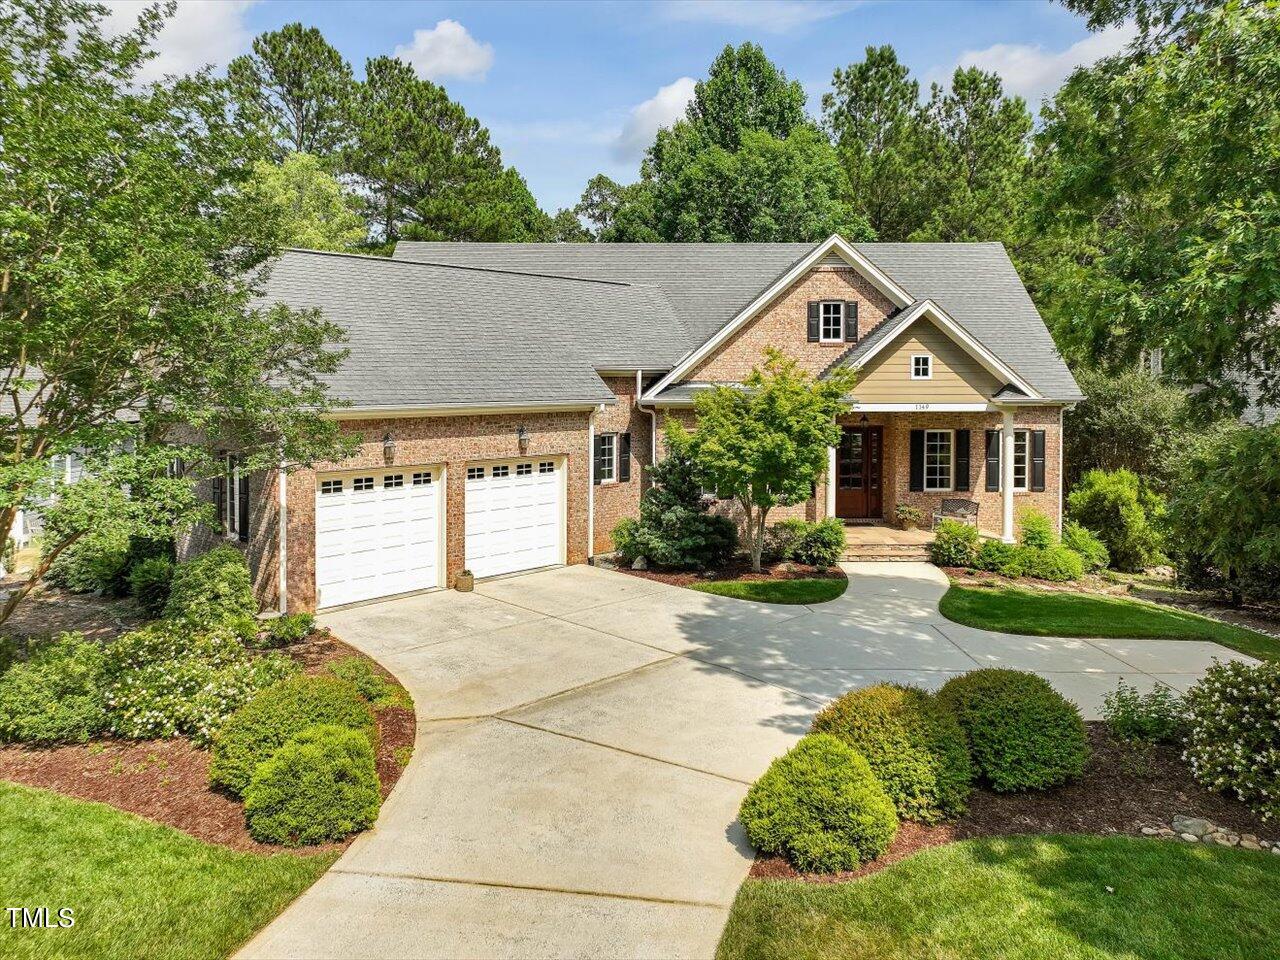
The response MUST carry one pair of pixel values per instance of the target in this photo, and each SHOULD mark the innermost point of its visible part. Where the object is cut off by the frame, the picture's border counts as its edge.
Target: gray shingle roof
(422, 335)
(707, 284)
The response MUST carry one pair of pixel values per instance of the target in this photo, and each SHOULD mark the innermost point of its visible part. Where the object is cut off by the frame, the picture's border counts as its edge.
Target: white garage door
(514, 516)
(377, 533)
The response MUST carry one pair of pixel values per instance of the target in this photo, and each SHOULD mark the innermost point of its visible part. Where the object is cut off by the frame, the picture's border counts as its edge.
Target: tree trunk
(20, 592)
(755, 529)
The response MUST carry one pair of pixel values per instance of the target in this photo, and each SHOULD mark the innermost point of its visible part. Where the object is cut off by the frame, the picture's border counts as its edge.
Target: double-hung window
(939, 449)
(1021, 445)
(606, 457)
(831, 329)
(232, 491)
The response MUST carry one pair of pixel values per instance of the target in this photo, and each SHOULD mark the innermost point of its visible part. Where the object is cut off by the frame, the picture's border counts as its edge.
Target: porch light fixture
(388, 447)
(522, 438)
(863, 419)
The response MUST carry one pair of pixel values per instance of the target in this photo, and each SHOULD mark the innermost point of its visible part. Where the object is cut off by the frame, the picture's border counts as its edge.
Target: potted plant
(466, 582)
(908, 517)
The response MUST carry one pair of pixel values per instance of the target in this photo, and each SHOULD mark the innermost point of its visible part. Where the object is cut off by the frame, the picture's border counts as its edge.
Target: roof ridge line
(459, 266)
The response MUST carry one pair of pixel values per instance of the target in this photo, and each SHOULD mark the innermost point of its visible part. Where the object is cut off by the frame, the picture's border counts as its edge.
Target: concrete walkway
(585, 738)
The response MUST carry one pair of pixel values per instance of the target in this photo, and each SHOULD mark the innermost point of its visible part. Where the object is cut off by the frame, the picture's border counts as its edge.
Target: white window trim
(822, 334)
(928, 359)
(951, 473)
(231, 497)
(1026, 473)
(609, 466)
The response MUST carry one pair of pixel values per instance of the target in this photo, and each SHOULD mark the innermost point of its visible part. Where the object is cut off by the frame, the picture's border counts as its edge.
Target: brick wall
(452, 441)
(616, 500)
(784, 325)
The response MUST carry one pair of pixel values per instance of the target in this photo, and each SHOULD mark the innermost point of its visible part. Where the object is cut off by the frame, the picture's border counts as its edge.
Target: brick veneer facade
(615, 499)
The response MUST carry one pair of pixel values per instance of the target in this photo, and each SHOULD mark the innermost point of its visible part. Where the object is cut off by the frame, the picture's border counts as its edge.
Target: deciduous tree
(313, 209)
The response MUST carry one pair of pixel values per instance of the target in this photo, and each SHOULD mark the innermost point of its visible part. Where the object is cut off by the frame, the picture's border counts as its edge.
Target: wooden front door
(858, 467)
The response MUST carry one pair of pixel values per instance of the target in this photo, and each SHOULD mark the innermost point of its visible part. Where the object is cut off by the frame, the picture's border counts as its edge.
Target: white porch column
(831, 481)
(1006, 476)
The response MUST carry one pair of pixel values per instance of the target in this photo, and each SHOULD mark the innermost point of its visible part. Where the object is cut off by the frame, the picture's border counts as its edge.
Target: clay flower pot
(466, 582)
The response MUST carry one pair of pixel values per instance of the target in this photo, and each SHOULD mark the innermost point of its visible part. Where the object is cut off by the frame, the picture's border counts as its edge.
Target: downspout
(591, 482)
(1061, 466)
(283, 550)
(653, 417)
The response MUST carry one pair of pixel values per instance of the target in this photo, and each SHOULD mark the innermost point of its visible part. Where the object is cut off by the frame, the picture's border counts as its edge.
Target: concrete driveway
(585, 738)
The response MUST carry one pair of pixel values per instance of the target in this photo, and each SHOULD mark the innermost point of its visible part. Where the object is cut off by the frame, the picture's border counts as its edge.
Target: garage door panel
(514, 520)
(376, 542)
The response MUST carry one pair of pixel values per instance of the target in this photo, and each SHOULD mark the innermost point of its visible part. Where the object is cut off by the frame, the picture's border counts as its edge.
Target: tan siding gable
(957, 376)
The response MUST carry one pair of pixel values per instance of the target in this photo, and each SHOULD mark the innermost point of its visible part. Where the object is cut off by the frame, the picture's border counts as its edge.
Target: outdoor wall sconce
(863, 419)
(388, 447)
(522, 438)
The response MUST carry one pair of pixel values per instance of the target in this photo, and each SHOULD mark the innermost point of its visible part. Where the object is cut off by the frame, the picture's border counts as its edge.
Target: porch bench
(966, 511)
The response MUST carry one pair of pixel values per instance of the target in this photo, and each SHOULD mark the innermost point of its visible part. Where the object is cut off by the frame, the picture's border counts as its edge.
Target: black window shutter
(815, 310)
(597, 455)
(624, 457)
(993, 460)
(220, 489)
(917, 460)
(962, 459)
(1037, 460)
(242, 502)
(851, 321)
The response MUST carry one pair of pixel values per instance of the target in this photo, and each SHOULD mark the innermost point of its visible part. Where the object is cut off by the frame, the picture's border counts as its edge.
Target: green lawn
(1058, 614)
(817, 590)
(1024, 898)
(138, 889)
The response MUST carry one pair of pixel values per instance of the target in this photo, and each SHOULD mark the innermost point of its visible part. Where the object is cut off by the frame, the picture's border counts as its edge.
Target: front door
(858, 461)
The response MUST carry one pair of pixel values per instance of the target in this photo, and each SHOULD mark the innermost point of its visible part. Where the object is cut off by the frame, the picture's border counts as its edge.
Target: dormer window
(832, 330)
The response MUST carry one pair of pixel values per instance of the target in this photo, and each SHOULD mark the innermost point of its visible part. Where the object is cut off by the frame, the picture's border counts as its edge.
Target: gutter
(653, 416)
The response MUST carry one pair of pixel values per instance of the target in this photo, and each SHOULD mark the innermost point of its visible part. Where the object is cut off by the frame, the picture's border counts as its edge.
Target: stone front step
(889, 551)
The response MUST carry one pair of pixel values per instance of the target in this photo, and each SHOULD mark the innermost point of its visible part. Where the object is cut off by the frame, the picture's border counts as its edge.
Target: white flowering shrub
(163, 681)
(1233, 738)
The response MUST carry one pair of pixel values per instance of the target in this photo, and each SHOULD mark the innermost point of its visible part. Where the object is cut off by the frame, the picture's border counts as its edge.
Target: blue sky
(569, 90)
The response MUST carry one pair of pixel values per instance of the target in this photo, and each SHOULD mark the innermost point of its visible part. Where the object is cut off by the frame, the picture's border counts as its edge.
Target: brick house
(509, 396)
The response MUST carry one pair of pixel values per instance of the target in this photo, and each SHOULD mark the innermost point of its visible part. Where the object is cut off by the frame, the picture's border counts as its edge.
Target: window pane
(832, 321)
(501, 471)
(937, 460)
(606, 456)
(1019, 459)
(475, 473)
(546, 466)
(422, 479)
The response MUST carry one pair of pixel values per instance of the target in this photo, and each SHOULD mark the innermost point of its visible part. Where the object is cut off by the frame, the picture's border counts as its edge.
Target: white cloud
(447, 50)
(661, 110)
(200, 32)
(1034, 72)
(775, 16)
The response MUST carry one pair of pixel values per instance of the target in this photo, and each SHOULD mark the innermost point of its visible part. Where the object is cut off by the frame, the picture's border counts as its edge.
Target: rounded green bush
(1082, 540)
(955, 544)
(821, 807)
(276, 715)
(214, 590)
(999, 557)
(55, 696)
(320, 785)
(1023, 734)
(1053, 563)
(1036, 530)
(149, 582)
(914, 745)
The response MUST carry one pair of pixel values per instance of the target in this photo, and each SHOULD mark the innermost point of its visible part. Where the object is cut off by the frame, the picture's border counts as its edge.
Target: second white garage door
(514, 516)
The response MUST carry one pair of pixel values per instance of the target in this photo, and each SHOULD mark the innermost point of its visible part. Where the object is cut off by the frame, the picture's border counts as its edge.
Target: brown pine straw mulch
(1123, 789)
(168, 780)
(739, 569)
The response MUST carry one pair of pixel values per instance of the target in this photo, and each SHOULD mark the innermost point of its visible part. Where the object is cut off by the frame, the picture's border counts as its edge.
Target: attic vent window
(921, 367)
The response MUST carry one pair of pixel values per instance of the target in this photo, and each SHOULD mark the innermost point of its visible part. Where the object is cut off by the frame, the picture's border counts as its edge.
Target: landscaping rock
(1196, 826)
(1150, 831)
(1250, 845)
(1189, 837)
(1248, 837)
(640, 563)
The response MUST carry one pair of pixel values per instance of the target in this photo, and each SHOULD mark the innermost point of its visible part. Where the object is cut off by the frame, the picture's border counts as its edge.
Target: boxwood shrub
(214, 590)
(320, 785)
(914, 745)
(55, 695)
(259, 728)
(1234, 713)
(821, 807)
(955, 544)
(149, 582)
(1023, 734)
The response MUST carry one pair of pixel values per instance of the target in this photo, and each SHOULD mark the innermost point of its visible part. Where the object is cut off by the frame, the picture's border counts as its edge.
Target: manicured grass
(1024, 898)
(1063, 614)
(816, 590)
(138, 889)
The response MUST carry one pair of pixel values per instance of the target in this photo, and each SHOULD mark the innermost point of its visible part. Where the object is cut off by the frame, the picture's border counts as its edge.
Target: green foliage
(272, 718)
(908, 516)
(766, 445)
(1234, 712)
(166, 681)
(321, 785)
(286, 630)
(996, 556)
(1056, 563)
(369, 683)
(955, 544)
(914, 745)
(313, 209)
(214, 589)
(1154, 717)
(295, 87)
(745, 90)
(676, 528)
(1035, 530)
(1023, 735)
(1225, 507)
(149, 582)
(1094, 553)
(1153, 170)
(820, 806)
(819, 544)
(1123, 512)
(92, 565)
(1128, 420)
(55, 696)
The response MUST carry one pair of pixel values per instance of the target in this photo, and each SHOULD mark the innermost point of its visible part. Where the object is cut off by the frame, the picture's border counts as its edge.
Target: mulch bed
(1123, 790)
(168, 780)
(51, 610)
(738, 570)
